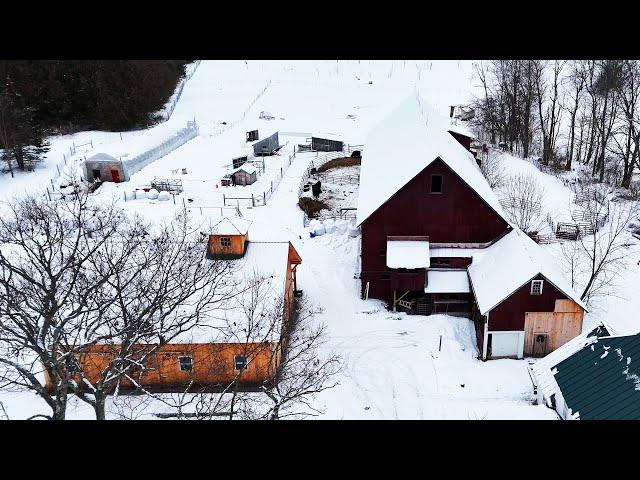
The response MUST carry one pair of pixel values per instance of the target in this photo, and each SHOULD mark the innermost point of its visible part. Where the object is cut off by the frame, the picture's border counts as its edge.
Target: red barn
(428, 220)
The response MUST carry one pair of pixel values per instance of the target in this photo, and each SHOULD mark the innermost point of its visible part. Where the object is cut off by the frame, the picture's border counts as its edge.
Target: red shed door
(115, 175)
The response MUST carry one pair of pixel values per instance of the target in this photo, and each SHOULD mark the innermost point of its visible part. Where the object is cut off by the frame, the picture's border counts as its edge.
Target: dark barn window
(186, 364)
(436, 184)
(240, 362)
(385, 276)
(225, 241)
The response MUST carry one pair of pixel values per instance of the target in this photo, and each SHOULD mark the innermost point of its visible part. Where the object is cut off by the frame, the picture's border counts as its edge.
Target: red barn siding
(510, 314)
(458, 215)
(408, 281)
(462, 140)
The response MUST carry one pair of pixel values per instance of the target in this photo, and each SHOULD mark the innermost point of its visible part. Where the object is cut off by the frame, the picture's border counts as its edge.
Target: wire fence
(173, 101)
(345, 214)
(230, 125)
(178, 139)
(315, 165)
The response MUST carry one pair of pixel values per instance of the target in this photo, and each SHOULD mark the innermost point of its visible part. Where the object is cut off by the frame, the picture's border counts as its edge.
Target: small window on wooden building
(186, 364)
(436, 183)
(225, 242)
(536, 287)
(240, 362)
(385, 276)
(73, 365)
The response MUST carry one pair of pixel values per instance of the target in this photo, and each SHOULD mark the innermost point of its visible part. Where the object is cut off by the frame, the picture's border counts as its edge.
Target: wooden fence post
(264, 198)
(224, 201)
(253, 202)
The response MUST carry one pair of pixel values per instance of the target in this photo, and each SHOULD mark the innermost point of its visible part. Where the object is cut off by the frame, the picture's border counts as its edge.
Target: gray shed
(266, 146)
(245, 175)
(105, 168)
(326, 145)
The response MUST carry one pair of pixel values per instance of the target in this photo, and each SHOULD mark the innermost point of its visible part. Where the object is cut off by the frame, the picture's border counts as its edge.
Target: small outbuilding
(228, 238)
(239, 161)
(326, 145)
(103, 167)
(252, 136)
(266, 146)
(245, 175)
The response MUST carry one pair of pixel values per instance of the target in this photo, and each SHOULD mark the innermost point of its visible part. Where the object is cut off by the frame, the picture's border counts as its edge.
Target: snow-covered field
(395, 366)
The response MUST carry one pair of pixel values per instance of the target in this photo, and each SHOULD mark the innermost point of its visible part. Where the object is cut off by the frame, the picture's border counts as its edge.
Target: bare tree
(45, 250)
(493, 170)
(302, 369)
(576, 81)
(626, 139)
(75, 274)
(550, 114)
(303, 372)
(521, 198)
(603, 251)
(162, 286)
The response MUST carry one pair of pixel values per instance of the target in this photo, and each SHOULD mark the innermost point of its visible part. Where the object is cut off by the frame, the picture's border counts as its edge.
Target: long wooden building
(213, 354)
(435, 240)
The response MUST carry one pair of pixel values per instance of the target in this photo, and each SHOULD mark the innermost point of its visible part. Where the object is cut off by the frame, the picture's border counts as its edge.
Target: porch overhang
(408, 252)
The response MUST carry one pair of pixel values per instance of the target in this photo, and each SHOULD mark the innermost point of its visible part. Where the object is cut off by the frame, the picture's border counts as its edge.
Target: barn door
(115, 175)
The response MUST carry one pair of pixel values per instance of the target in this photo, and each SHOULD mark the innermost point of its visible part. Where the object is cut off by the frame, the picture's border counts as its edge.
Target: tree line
(565, 112)
(41, 98)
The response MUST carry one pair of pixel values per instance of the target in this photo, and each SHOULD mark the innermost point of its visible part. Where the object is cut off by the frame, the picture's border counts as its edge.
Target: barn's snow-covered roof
(403, 144)
(461, 129)
(264, 266)
(510, 263)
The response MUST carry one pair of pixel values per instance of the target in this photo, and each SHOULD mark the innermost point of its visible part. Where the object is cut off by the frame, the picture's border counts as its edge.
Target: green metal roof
(602, 380)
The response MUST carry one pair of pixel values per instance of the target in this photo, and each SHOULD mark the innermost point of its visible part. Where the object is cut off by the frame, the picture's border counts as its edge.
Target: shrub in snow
(354, 231)
(164, 196)
(152, 194)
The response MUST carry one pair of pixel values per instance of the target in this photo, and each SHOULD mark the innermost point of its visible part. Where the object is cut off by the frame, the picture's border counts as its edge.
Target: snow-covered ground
(395, 366)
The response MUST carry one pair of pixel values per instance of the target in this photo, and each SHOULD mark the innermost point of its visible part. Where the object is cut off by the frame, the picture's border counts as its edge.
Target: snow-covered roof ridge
(230, 226)
(460, 128)
(246, 167)
(509, 264)
(403, 144)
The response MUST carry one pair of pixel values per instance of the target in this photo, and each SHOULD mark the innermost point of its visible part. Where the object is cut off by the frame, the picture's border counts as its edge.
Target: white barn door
(507, 344)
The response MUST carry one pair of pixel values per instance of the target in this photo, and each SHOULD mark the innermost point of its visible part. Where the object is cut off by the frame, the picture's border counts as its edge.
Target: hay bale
(164, 196)
(152, 194)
